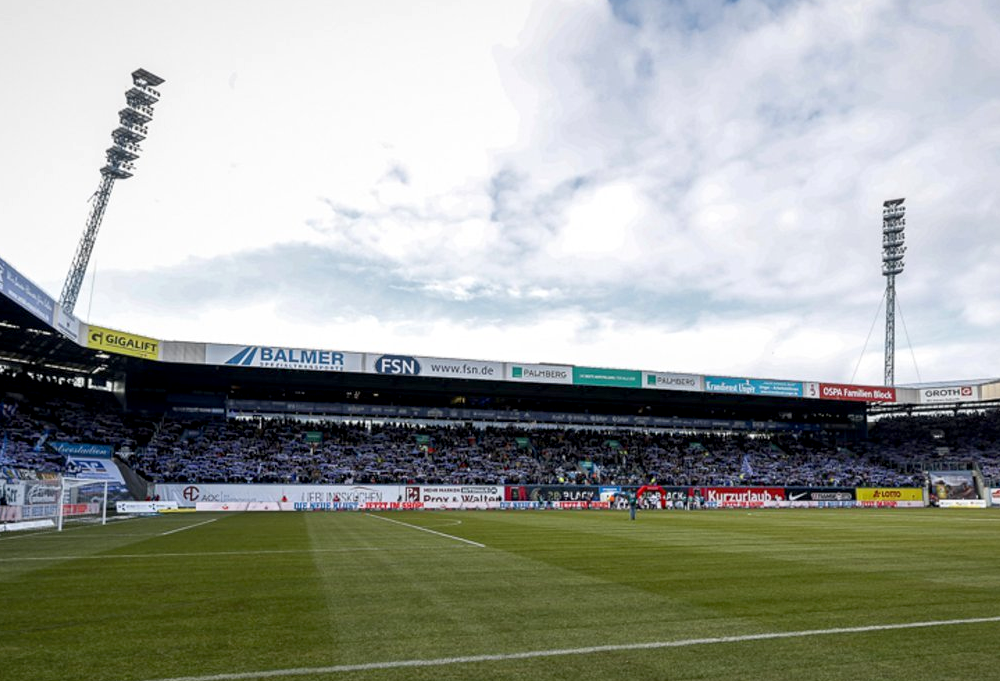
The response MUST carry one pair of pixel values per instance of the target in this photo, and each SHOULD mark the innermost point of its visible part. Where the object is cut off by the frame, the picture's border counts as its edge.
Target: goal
(53, 500)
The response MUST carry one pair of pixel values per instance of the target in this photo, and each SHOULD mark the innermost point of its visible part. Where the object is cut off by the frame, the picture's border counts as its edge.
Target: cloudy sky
(678, 186)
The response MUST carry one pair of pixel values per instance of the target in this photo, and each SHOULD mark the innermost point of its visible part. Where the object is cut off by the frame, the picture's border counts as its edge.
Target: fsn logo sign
(191, 493)
(399, 365)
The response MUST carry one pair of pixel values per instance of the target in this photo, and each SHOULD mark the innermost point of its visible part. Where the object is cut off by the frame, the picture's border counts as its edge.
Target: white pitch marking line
(196, 554)
(531, 654)
(424, 529)
(188, 527)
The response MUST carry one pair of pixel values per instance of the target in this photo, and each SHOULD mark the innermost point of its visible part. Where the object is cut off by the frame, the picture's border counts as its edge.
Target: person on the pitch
(632, 503)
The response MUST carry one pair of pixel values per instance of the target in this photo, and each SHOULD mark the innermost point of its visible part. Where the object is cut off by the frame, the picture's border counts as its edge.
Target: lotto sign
(891, 497)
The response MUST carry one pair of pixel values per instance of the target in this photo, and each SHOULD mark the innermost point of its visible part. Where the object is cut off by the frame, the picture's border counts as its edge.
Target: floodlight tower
(893, 224)
(138, 111)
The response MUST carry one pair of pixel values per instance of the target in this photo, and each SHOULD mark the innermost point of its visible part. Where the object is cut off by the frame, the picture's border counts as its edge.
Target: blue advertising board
(753, 386)
(87, 449)
(33, 299)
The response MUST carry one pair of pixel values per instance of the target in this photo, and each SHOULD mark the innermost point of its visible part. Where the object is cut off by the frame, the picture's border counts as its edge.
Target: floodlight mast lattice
(893, 226)
(138, 111)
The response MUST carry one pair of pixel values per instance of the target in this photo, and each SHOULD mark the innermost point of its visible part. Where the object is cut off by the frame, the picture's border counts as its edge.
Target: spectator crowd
(283, 450)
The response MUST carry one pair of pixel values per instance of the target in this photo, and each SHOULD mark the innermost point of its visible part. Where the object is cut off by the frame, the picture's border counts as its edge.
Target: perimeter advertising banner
(540, 373)
(309, 497)
(821, 497)
(662, 381)
(434, 367)
(753, 386)
(271, 357)
(891, 497)
(18, 288)
(741, 497)
(546, 493)
(121, 343)
(455, 496)
(958, 393)
(856, 393)
(615, 378)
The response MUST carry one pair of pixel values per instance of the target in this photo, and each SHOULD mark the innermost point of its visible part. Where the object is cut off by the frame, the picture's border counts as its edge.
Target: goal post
(79, 496)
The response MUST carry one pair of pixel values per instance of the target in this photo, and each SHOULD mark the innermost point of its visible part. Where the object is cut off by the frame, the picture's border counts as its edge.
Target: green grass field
(349, 596)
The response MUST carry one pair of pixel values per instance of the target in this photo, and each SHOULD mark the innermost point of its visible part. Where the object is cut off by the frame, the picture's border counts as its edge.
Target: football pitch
(778, 594)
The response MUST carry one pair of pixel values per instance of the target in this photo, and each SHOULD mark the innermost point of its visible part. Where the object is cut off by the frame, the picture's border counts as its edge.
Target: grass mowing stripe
(187, 527)
(202, 554)
(424, 529)
(531, 654)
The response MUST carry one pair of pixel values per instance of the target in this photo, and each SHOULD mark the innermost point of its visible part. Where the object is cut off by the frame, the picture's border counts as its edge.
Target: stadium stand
(178, 449)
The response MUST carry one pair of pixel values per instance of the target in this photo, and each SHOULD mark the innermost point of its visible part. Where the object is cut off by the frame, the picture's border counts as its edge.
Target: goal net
(53, 501)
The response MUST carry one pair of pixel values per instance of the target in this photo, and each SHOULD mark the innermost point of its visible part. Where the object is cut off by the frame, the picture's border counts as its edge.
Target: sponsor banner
(995, 496)
(821, 497)
(890, 497)
(740, 497)
(392, 506)
(119, 342)
(455, 496)
(519, 505)
(856, 393)
(67, 324)
(90, 468)
(753, 386)
(241, 506)
(268, 357)
(958, 393)
(540, 373)
(145, 506)
(661, 381)
(188, 495)
(952, 485)
(616, 378)
(962, 503)
(580, 505)
(86, 449)
(548, 493)
(9, 514)
(434, 367)
(33, 299)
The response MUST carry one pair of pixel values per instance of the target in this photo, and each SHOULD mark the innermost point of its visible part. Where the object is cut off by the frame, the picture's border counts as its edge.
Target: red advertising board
(741, 497)
(856, 393)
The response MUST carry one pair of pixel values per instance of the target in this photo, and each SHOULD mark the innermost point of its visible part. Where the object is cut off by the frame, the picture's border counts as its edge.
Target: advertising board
(948, 485)
(856, 393)
(663, 381)
(546, 493)
(540, 373)
(434, 367)
(318, 496)
(272, 357)
(145, 507)
(752, 386)
(741, 497)
(962, 503)
(22, 291)
(87, 449)
(93, 468)
(945, 394)
(890, 497)
(67, 324)
(821, 497)
(121, 343)
(616, 378)
(455, 496)
(995, 496)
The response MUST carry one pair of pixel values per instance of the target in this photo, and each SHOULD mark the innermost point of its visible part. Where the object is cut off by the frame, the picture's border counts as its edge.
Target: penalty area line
(532, 654)
(424, 529)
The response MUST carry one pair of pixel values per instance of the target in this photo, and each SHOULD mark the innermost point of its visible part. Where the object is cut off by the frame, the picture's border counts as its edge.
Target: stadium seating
(278, 450)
